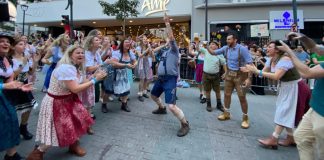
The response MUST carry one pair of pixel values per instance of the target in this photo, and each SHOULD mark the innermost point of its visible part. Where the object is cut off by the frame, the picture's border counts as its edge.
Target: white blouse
(66, 72)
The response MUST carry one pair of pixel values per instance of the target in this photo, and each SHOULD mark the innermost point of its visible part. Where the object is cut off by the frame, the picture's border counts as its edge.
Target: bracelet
(260, 73)
(1, 86)
(93, 81)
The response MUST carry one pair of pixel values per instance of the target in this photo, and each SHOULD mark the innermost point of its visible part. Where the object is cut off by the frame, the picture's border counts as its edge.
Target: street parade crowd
(96, 67)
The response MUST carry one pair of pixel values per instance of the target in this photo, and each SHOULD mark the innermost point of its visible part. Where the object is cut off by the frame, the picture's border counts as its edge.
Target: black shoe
(203, 100)
(160, 111)
(104, 108)
(93, 116)
(141, 98)
(24, 132)
(148, 90)
(146, 96)
(220, 107)
(209, 108)
(16, 156)
(201, 96)
(184, 130)
(125, 108)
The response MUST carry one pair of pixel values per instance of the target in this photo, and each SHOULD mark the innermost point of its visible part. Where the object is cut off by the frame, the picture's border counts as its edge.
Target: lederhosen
(235, 78)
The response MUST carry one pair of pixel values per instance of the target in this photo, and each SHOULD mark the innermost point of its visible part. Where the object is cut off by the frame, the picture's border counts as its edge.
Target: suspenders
(239, 56)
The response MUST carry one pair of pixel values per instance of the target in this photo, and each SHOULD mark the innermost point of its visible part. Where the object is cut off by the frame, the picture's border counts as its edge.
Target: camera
(291, 43)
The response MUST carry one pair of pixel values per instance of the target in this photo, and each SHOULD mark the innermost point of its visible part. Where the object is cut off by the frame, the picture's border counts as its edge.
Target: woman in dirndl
(144, 69)
(292, 91)
(106, 86)
(199, 58)
(9, 126)
(97, 33)
(62, 118)
(124, 61)
(22, 101)
(93, 62)
(56, 53)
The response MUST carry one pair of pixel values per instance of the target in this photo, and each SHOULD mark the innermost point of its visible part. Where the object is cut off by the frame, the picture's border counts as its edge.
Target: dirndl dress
(62, 117)
(9, 126)
(57, 55)
(22, 101)
(144, 69)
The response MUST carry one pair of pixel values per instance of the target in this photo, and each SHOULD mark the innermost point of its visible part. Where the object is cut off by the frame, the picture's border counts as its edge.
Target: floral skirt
(62, 120)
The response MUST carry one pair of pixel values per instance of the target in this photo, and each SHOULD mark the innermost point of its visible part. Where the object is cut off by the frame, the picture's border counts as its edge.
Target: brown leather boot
(183, 130)
(77, 150)
(35, 155)
(270, 142)
(245, 122)
(224, 116)
(289, 141)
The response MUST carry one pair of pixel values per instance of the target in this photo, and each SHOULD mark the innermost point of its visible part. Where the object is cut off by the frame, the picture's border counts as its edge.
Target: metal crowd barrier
(187, 73)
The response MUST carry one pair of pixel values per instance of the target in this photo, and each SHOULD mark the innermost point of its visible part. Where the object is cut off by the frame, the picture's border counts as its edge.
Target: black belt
(214, 74)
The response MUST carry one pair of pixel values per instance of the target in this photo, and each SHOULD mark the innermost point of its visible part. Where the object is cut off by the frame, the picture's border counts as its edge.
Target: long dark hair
(121, 46)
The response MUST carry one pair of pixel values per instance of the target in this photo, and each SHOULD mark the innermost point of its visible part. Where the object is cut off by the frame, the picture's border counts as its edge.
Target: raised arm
(168, 27)
(303, 69)
(307, 42)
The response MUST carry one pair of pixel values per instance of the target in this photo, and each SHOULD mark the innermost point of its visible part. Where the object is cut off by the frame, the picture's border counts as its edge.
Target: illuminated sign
(154, 6)
(284, 19)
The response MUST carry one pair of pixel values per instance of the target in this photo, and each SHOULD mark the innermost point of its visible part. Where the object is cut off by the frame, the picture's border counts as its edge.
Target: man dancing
(167, 81)
(236, 57)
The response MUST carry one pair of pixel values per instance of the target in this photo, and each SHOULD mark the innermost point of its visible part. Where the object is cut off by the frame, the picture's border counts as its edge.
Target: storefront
(253, 21)
(89, 15)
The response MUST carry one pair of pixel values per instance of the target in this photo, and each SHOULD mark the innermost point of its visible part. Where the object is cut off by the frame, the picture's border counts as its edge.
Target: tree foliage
(122, 9)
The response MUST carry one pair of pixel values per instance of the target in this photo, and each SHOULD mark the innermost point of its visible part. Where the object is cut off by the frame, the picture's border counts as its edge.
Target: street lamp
(24, 8)
(206, 20)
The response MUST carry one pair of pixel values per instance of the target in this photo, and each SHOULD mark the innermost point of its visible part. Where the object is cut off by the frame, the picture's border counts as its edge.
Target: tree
(122, 9)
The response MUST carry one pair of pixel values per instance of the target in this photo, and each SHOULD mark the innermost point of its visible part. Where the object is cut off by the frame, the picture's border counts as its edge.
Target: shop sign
(154, 6)
(284, 19)
(259, 30)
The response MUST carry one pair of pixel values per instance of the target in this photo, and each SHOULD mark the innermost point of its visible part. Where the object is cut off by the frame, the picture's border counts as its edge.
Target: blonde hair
(58, 40)
(88, 42)
(66, 59)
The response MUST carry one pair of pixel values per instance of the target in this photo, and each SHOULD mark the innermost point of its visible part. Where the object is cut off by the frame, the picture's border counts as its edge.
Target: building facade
(248, 17)
(254, 20)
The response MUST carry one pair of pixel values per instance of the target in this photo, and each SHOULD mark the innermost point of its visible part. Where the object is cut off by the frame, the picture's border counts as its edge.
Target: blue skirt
(48, 75)
(9, 126)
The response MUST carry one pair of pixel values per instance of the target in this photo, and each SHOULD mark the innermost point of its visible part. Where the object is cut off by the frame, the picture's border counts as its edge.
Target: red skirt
(71, 119)
(304, 95)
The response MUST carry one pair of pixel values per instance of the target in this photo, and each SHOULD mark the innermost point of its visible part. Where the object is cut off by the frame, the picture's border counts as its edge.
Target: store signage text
(284, 19)
(154, 6)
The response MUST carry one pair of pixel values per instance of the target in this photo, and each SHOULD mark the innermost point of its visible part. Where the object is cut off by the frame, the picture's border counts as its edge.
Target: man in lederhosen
(236, 56)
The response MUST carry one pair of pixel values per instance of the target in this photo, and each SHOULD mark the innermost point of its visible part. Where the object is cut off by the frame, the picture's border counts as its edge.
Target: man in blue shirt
(302, 55)
(236, 57)
(168, 71)
(311, 129)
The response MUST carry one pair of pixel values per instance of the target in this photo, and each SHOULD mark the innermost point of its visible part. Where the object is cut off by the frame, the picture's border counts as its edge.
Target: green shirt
(320, 59)
(212, 62)
(316, 101)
